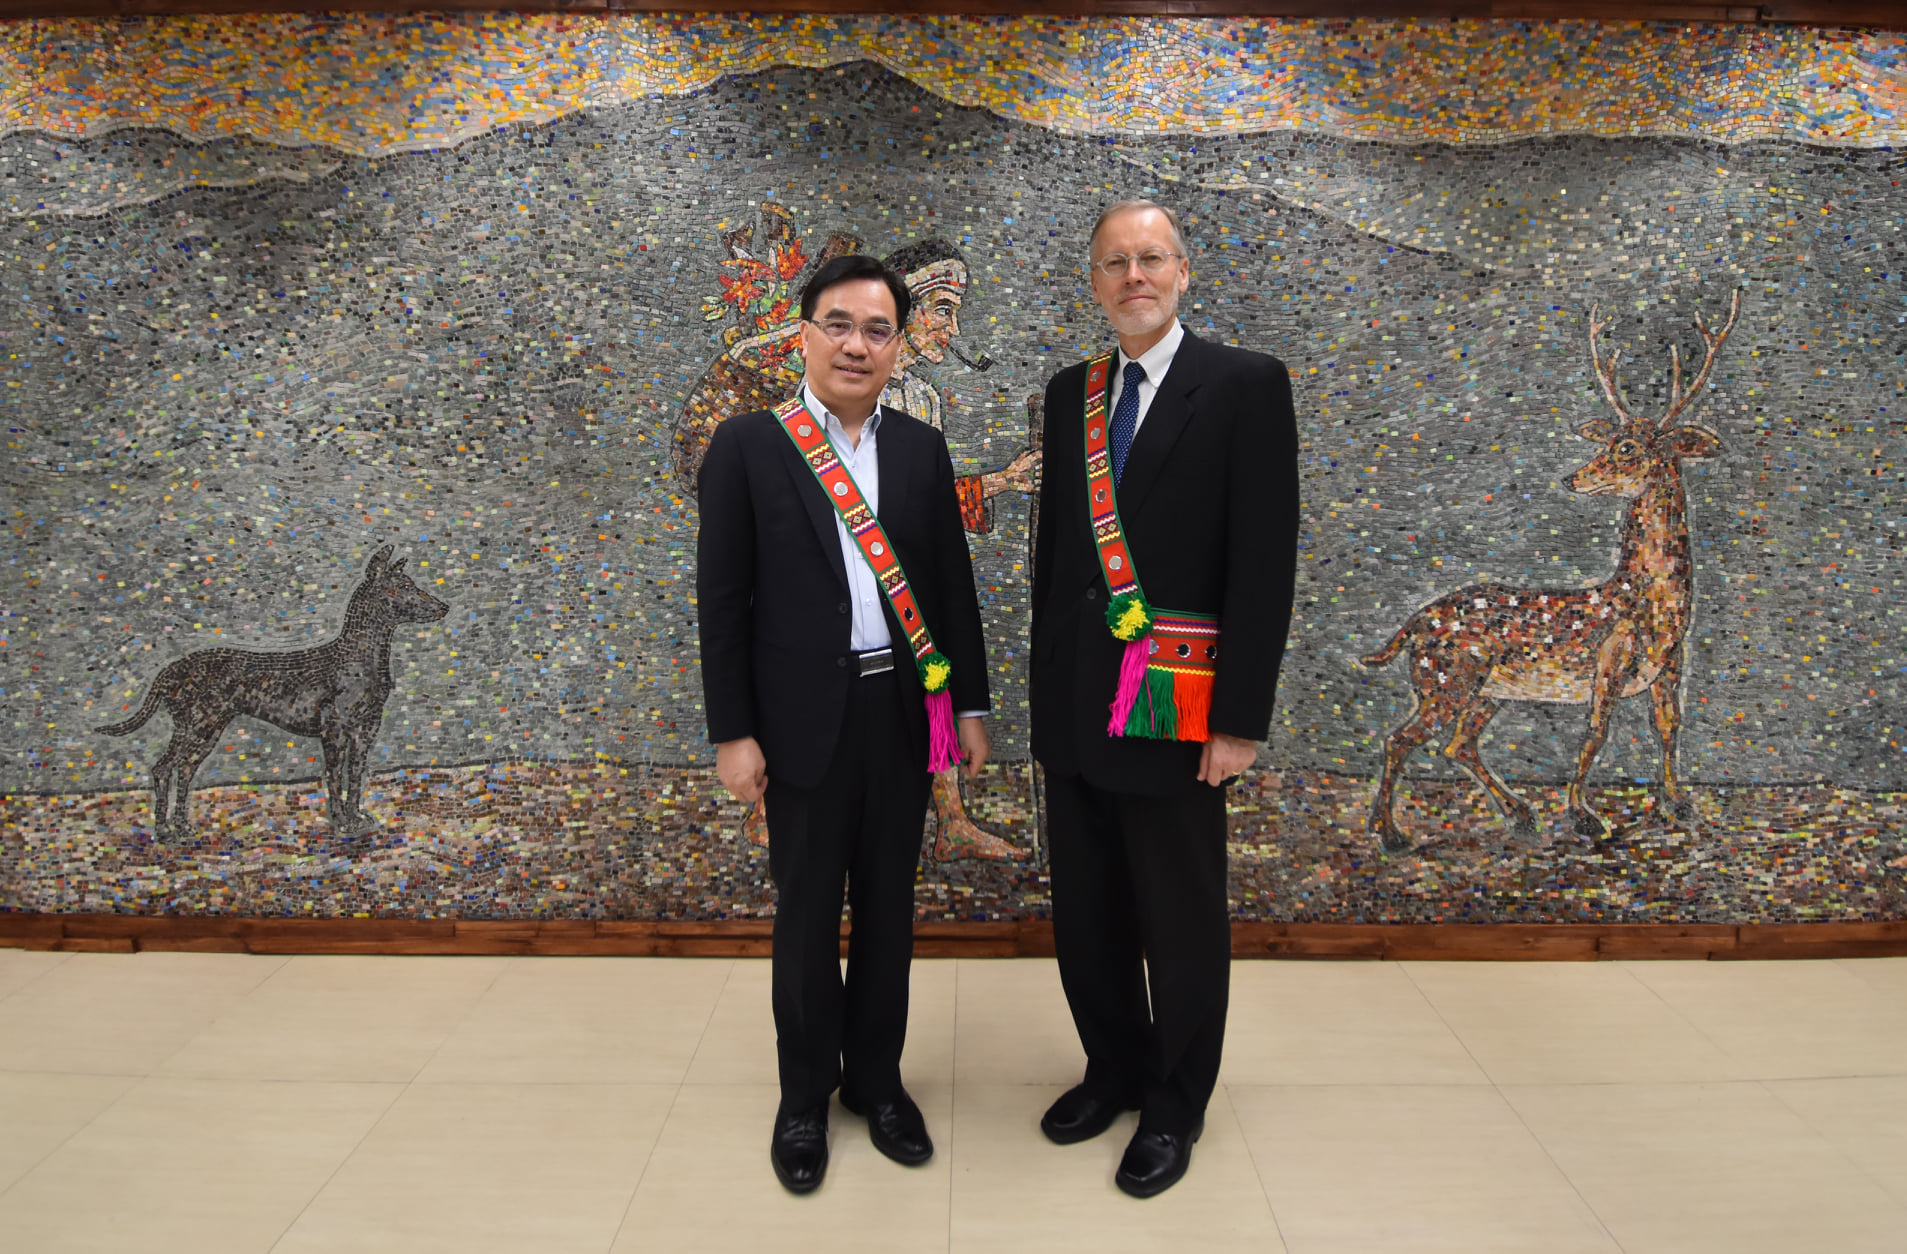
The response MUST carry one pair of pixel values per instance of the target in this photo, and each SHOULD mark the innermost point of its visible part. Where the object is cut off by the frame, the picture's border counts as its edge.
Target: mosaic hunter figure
(762, 365)
(1162, 586)
(833, 681)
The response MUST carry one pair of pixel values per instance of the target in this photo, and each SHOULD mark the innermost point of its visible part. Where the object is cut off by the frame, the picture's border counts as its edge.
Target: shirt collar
(1155, 361)
(833, 424)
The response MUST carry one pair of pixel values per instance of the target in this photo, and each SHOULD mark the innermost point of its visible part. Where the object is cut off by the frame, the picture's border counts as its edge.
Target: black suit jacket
(773, 590)
(1209, 504)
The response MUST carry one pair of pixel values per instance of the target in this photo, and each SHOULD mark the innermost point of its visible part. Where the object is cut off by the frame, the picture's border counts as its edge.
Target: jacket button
(841, 662)
(1092, 594)
(844, 607)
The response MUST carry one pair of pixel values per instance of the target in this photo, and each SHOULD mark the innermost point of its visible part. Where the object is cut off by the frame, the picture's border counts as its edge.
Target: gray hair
(1123, 206)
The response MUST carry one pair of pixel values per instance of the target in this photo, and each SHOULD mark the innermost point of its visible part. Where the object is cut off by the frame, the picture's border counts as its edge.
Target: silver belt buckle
(875, 662)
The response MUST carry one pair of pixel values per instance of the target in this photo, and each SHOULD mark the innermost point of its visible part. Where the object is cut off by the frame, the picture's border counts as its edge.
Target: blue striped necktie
(1125, 417)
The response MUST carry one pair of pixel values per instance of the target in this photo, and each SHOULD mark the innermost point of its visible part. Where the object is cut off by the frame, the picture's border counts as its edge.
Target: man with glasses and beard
(842, 663)
(1162, 586)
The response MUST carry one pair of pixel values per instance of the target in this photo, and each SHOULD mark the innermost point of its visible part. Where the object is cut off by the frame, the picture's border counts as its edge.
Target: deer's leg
(1612, 666)
(1436, 709)
(1463, 749)
(1666, 693)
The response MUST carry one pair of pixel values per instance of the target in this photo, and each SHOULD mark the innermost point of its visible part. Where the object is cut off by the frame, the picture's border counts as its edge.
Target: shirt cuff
(971, 714)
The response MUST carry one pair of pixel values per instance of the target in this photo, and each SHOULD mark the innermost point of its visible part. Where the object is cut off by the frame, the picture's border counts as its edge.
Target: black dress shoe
(1155, 1161)
(800, 1149)
(896, 1128)
(1080, 1115)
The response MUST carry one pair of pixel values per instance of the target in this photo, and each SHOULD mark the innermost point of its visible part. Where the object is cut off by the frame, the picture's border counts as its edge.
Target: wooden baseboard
(750, 938)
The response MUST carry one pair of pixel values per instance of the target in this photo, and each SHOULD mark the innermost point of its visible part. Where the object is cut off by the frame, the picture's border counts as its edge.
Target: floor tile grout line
(476, 1003)
(66, 1140)
(403, 1088)
(1264, 1185)
(1720, 1047)
(1510, 1106)
(346, 1157)
(701, 1037)
(674, 1101)
(953, 1102)
(36, 978)
(284, 960)
(1886, 1188)
(1550, 1155)
(642, 1174)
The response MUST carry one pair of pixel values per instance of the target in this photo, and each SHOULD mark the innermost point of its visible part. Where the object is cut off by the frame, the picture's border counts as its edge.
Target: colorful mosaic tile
(393, 84)
(260, 365)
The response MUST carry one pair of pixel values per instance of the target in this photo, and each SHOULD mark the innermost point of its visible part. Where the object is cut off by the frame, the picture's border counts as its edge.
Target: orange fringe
(1192, 702)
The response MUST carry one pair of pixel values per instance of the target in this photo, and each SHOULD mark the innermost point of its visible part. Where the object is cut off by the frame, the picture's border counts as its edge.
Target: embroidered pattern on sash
(1171, 658)
(878, 552)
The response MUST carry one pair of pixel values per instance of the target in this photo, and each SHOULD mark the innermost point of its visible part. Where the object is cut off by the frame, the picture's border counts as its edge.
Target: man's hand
(742, 768)
(1224, 757)
(973, 743)
(1015, 476)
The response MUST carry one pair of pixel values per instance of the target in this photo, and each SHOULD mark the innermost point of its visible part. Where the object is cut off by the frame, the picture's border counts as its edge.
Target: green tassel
(1165, 711)
(1154, 715)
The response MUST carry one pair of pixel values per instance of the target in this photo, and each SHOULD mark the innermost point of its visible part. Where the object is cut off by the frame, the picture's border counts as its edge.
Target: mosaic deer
(335, 691)
(1482, 645)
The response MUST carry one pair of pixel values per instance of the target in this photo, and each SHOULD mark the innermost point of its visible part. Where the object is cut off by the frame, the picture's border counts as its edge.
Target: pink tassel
(1132, 678)
(943, 738)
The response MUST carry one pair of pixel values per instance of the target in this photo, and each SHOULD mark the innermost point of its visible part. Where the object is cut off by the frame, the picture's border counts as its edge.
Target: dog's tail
(133, 723)
(1386, 655)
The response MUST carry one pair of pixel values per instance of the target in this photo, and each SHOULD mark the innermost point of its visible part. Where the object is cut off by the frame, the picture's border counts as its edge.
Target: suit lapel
(815, 501)
(890, 451)
(1165, 421)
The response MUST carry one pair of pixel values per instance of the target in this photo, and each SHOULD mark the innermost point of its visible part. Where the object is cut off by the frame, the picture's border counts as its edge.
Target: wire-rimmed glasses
(1151, 260)
(877, 334)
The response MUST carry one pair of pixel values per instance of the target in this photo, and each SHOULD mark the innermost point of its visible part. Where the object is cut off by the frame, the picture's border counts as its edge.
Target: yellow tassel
(937, 673)
(1132, 623)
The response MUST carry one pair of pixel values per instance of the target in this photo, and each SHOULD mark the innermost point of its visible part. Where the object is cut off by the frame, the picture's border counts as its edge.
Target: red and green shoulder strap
(943, 742)
(1171, 658)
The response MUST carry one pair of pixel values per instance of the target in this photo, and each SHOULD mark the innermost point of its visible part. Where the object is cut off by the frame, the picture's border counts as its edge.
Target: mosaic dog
(335, 691)
(1478, 646)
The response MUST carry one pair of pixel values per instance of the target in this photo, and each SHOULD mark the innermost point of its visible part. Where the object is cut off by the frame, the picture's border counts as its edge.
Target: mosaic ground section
(606, 842)
(388, 84)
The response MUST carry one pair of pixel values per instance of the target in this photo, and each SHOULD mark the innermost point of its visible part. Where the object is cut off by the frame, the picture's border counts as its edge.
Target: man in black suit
(1201, 442)
(821, 697)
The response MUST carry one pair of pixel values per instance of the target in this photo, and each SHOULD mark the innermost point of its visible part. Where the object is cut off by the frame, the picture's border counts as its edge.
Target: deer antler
(1680, 400)
(1606, 375)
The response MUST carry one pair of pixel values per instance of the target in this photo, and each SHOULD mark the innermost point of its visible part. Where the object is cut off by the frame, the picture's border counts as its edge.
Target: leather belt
(873, 662)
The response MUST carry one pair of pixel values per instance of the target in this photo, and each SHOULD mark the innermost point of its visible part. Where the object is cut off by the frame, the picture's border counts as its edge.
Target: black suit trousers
(1139, 890)
(860, 825)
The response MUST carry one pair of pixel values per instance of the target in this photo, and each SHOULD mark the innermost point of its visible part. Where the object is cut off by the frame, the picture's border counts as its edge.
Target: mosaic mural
(357, 370)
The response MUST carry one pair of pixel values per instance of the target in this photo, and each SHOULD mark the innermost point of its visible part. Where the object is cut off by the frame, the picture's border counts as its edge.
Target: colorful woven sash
(1171, 659)
(943, 741)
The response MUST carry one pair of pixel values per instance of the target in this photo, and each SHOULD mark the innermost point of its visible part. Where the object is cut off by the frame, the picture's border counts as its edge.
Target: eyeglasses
(1115, 265)
(877, 334)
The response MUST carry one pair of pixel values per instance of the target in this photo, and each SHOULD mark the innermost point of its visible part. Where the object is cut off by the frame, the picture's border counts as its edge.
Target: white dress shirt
(865, 598)
(1155, 361)
(864, 464)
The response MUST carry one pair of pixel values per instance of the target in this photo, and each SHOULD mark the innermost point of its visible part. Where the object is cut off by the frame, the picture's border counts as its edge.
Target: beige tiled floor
(206, 1103)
